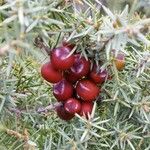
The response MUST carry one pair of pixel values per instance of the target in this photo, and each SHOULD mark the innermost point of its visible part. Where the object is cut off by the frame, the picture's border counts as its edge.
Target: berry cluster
(75, 81)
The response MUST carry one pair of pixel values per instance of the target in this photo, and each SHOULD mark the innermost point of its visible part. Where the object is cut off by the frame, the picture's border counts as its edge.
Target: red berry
(80, 67)
(67, 44)
(60, 59)
(87, 90)
(97, 75)
(72, 106)
(86, 109)
(63, 114)
(63, 90)
(71, 77)
(50, 74)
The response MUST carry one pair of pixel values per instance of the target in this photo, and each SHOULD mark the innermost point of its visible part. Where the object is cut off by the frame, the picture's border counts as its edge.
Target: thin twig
(49, 107)
(40, 44)
(16, 111)
(39, 110)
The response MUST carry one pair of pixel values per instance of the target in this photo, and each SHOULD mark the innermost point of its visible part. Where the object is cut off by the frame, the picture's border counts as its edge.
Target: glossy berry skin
(62, 114)
(98, 76)
(60, 59)
(86, 108)
(50, 74)
(63, 90)
(72, 106)
(87, 90)
(120, 62)
(80, 68)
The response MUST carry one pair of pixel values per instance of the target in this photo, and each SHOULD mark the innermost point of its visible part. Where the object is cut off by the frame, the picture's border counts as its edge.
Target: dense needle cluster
(76, 81)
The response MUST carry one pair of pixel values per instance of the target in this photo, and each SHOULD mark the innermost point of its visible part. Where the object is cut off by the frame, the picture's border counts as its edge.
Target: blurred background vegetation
(122, 119)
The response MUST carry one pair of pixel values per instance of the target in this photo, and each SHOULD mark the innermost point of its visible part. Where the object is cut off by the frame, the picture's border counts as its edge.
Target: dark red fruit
(67, 44)
(63, 90)
(87, 90)
(60, 59)
(72, 106)
(86, 109)
(97, 75)
(50, 74)
(80, 68)
(71, 77)
(63, 114)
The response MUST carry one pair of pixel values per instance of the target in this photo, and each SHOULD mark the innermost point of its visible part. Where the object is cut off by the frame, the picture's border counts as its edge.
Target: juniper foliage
(121, 121)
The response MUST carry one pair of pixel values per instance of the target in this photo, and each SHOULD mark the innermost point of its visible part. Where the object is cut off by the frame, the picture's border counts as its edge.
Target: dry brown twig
(28, 145)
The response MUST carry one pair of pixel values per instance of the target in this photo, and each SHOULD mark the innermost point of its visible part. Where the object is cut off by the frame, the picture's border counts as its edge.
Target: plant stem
(40, 44)
(49, 107)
